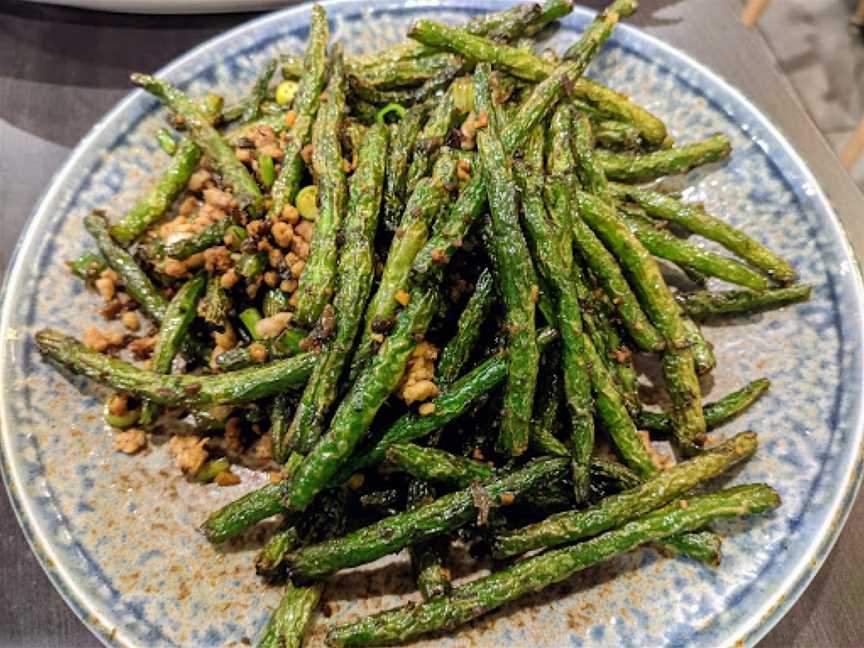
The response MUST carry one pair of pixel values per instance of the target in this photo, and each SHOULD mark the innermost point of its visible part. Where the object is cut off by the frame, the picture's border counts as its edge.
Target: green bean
(491, 592)
(593, 178)
(428, 199)
(705, 305)
(613, 134)
(404, 529)
(136, 281)
(241, 386)
(250, 317)
(428, 558)
(680, 159)
(280, 421)
(166, 141)
(404, 72)
(448, 406)
(717, 413)
(431, 139)
(355, 273)
(555, 263)
(252, 104)
(270, 561)
(686, 254)
(233, 173)
(516, 271)
(612, 406)
(152, 205)
(275, 301)
(703, 354)
(354, 415)
(215, 304)
(175, 325)
(457, 351)
(433, 465)
(695, 219)
(681, 380)
(605, 267)
(305, 106)
(288, 624)
(317, 282)
(402, 143)
(616, 510)
(450, 228)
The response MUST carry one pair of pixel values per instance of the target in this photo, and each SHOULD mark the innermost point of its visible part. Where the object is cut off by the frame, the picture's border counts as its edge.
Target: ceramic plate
(116, 534)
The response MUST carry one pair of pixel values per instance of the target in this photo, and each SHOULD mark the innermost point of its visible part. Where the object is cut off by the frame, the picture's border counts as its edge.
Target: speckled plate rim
(798, 578)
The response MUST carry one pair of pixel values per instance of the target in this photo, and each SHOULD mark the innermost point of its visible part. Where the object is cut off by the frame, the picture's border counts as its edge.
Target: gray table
(60, 70)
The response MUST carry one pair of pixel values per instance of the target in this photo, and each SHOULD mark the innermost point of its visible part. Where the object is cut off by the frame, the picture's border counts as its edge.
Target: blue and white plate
(116, 534)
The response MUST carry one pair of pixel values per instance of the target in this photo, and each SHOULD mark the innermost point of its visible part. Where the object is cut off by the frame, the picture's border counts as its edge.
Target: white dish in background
(172, 6)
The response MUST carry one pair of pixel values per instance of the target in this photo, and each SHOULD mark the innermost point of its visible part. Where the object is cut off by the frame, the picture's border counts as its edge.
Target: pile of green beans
(455, 221)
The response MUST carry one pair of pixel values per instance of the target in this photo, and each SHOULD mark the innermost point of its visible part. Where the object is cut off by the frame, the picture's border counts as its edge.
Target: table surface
(62, 69)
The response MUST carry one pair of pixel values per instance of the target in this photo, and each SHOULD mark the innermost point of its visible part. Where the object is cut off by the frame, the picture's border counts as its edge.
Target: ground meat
(101, 340)
(176, 229)
(257, 351)
(130, 441)
(175, 268)
(232, 436)
(300, 248)
(305, 229)
(272, 150)
(463, 170)
(106, 284)
(290, 214)
(403, 297)
(118, 404)
(209, 214)
(226, 478)
(194, 261)
(418, 382)
(131, 320)
(188, 206)
(189, 452)
(198, 180)
(274, 325)
(219, 198)
(282, 233)
(426, 409)
(143, 347)
(227, 339)
(297, 268)
(263, 448)
(217, 258)
(468, 131)
(229, 279)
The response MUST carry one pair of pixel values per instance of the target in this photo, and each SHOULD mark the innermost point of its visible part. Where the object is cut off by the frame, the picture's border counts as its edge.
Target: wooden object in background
(753, 11)
(853, 148)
